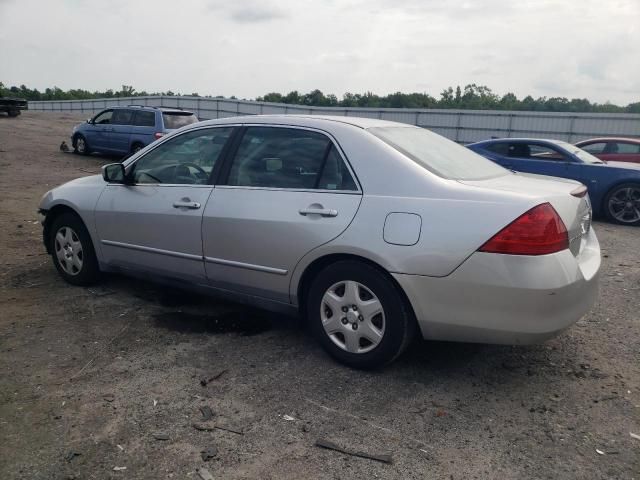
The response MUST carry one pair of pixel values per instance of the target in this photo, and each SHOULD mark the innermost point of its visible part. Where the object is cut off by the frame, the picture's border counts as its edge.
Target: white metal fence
(460, 125)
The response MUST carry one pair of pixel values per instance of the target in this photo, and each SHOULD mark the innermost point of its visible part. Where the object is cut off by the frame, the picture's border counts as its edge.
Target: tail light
(539, 231)
(158, 135)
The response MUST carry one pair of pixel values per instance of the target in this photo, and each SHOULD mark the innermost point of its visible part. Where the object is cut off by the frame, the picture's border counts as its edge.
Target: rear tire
(80, 145)
(622, 204)
(72, 250)
(359, 315)
(136, 147)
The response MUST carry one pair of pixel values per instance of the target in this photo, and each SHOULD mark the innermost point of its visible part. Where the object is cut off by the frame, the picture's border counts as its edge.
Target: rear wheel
(80, 145)
(72, 250)
(136, 147)
(622, 204)
(358, 315)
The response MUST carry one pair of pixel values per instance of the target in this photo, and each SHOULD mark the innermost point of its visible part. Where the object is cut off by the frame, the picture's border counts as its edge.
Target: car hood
(625, 165)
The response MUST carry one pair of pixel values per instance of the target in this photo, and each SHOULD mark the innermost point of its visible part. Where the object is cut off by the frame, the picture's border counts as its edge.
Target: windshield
(443, 157)
(583, 155)
(173, 120)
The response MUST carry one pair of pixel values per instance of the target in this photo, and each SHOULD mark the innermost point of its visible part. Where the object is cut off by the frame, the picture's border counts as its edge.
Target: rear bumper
(507, 299)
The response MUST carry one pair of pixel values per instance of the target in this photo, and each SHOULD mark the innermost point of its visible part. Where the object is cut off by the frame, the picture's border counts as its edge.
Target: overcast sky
(571, 48)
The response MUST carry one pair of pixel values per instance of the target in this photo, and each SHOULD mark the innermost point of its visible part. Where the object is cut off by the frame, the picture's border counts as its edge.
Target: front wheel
(622, 204)
(80, 145)
(359, 315)
(72, 250)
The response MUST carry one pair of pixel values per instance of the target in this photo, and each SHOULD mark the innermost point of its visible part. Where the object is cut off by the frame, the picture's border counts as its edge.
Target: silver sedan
(371, 230)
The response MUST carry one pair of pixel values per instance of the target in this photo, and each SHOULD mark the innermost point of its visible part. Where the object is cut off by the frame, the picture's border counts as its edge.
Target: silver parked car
(373, 230)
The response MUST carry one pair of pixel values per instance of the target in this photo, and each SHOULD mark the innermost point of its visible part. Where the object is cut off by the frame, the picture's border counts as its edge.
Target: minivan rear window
(173, 120)
(435, 153)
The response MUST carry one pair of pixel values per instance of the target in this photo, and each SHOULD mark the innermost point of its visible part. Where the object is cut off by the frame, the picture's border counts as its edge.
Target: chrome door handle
(324, 212)
(184, 204)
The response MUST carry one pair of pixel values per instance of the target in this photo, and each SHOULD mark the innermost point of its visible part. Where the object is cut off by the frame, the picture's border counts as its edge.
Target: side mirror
(89, 120)
(114, 173)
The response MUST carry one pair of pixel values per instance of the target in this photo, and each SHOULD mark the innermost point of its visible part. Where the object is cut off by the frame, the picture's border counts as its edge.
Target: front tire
(72, 250)
(359, 315)
(622, 204)
(80, 145)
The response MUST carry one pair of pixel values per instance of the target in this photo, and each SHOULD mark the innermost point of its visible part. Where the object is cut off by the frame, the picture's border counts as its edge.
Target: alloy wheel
(68, 249)
(352, 316)
(624, 204)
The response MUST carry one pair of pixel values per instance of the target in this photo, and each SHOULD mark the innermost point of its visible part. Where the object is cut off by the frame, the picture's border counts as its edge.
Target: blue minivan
(125, 130)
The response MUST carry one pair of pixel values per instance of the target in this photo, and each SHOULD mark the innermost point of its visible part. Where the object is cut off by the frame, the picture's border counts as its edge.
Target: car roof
(151, 108)
(308, 120)
(610, 139)
(519, 140)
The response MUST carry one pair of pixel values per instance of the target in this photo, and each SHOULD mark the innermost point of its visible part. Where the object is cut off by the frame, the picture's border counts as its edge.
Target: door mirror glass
(113, 173)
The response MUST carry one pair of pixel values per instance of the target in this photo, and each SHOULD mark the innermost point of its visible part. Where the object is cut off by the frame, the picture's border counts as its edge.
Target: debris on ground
(205, 381)
(208, 453)
(322, 443)
(207, 413)
(109, 397)
(119, 469)
(204, 474)
(634, 435)
(160, 436)
(207, 428)
(288, 418)
(71, 455)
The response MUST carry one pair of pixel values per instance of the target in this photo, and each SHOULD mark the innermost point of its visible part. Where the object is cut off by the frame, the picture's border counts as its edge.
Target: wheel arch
(53, 213)
(320, 263)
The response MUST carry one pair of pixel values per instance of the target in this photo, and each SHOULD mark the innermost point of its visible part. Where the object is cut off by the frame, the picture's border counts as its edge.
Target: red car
(613, 148)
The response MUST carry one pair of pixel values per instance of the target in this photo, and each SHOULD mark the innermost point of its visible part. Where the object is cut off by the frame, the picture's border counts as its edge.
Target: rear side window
(499, 148)
(625, 148)
(122, 117)
(173, 120)
(273, 157)
(440, 156)
(144, 119)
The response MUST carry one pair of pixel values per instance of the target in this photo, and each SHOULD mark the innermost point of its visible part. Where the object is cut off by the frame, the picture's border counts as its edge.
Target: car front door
(121, 124)
(98, 130)
(284, 192)
(543, 159)
(153, 224)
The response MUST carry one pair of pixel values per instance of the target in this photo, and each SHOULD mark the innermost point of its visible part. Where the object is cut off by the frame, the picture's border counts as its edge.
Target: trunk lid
(574, 211)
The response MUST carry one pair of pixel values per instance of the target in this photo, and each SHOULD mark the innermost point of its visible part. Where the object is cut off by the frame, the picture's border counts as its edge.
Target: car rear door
(284, 191)
(154, 223)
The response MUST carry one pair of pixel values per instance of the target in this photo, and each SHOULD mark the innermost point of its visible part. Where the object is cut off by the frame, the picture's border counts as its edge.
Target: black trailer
(13, 106)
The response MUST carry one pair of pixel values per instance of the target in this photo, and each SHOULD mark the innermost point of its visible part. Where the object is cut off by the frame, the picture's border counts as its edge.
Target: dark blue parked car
(125, 130)
(614, 187)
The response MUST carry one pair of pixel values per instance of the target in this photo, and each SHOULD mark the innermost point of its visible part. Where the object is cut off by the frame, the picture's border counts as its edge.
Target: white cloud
(574, 48)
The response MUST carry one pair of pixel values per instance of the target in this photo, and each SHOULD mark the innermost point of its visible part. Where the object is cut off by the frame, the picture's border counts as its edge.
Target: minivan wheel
(358, 315)
(622, 204)
(72, 250)
(80, 145)
(136, 147)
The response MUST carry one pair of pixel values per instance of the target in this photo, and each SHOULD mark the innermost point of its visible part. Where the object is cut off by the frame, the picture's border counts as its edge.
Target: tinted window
(624, 148)
(144, 119)
(499, 148)
(185, 159)
(542, 152)
(595, 148)
(122, 117)
(173, 120)
(103, 117)
(288, 158)
(443, 157)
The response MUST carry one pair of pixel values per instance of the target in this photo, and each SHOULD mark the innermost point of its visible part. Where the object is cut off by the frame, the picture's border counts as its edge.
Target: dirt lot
(110, 376)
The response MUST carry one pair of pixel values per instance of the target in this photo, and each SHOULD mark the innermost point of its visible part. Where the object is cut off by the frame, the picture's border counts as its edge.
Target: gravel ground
(106, 382)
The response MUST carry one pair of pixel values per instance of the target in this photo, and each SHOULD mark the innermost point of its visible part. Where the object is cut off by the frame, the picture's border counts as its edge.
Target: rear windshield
(173, 120)
(443, 157)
